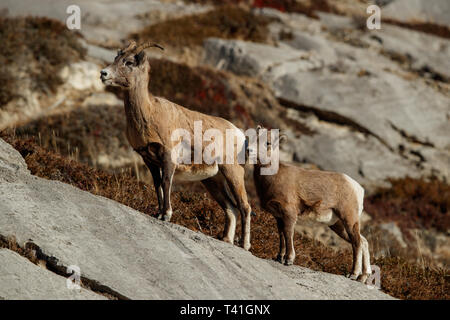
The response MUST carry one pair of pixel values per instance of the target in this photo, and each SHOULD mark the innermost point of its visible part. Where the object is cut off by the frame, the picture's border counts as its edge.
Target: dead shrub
(222, 22)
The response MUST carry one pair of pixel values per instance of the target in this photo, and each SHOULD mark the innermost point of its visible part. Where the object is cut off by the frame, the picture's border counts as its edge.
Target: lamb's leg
(234, 175)
(339, 228)
(367, 270)
(355, 240)
(282, 249)
(289, 220)
(167, 176)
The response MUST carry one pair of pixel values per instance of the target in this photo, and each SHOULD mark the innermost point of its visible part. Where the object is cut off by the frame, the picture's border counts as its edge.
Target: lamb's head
(270, 141)
(130, 64)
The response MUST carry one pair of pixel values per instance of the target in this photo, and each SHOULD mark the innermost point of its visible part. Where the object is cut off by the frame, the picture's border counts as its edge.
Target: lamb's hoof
(166, 218)
(279, 259)
(363, 278)
(288, 262)
(246, 246)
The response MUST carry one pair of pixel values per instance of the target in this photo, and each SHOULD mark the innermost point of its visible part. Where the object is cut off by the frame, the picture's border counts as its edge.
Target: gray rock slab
(22, 280)
(102, 21)
(144, 258)
(358, 88)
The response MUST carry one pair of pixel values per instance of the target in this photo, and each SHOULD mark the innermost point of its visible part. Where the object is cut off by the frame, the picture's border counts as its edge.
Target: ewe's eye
(128, 63)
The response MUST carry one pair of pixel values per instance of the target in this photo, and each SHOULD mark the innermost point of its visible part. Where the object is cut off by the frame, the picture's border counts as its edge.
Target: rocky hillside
(124, 254)
(372, 104)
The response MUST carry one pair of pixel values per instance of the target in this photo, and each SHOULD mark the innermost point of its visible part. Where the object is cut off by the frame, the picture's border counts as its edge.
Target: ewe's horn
(131, 46)
(148, 45)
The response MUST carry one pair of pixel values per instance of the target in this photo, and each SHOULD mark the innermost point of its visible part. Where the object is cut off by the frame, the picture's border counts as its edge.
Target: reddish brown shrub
(412, 203)
(222, 22)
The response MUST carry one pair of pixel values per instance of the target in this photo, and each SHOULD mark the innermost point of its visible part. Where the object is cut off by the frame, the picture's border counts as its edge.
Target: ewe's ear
(140, 57)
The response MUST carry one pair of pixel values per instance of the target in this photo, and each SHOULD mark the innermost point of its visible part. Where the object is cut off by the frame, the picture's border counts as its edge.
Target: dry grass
(306, 8)
(221, 22)
(412, 203)
(425, 27)
(198, 212)
(81, 133)
(37, 48)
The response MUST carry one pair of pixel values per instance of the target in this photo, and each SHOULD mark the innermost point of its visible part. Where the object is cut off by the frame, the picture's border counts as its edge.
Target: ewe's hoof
(352, 276)
(226, 239)
(289, 262)
(279, 259)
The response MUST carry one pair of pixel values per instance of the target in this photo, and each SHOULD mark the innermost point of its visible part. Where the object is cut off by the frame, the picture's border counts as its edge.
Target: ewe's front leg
(157, 181)
(167, 176)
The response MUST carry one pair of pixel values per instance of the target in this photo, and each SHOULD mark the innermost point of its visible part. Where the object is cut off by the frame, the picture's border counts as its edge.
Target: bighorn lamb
(331, 198)
(150, 123)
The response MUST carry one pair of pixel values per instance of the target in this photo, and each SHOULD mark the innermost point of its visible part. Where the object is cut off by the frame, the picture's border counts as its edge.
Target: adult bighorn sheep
(331, 198)
(151, 122)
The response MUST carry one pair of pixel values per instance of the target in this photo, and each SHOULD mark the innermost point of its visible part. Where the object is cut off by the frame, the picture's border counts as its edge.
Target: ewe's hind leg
(216, 188)
(282, 249)
(234, 176)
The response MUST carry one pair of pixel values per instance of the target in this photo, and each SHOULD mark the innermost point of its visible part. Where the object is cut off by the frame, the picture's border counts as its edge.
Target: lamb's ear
(140, 57)
(283, 139)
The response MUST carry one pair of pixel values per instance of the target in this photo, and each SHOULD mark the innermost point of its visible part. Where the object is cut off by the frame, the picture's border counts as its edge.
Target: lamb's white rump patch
(359, 192)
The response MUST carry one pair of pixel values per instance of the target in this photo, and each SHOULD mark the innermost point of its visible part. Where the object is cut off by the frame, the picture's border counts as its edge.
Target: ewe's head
(130, 64)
